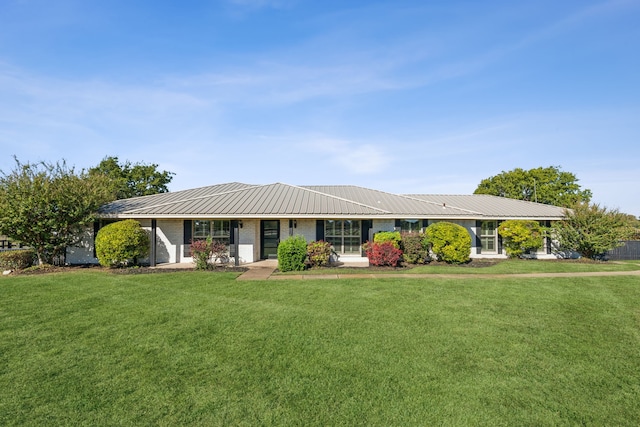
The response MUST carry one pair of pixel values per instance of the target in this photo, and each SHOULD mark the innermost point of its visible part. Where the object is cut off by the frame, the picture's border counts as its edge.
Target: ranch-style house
(253, 219)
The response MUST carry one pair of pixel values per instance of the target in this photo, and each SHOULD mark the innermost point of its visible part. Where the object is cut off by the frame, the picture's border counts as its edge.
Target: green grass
(91, 348)
(521, 266)
(507, 266)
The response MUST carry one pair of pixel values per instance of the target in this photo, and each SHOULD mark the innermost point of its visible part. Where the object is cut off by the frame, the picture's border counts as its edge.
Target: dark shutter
(152, 252)
(365, 225)
(398, 225)
(320, 229)
(365, 229)
(499, 237)
(425, 223)
(187, 238)
(478, 240)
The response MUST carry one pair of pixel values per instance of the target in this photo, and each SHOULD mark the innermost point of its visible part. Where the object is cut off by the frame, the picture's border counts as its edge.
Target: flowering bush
(383, 254)
(203, 251)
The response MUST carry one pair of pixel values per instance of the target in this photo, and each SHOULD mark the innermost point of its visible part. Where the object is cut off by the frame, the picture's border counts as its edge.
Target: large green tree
(591, 230)
(45, 205)
(549, 185)
(132, 180)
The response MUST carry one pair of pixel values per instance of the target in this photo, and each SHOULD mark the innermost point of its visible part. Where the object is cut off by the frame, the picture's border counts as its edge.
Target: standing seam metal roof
(284, 200)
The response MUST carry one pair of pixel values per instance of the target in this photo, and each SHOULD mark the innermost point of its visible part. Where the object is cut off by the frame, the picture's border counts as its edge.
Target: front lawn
(93, 348)
(486, 266)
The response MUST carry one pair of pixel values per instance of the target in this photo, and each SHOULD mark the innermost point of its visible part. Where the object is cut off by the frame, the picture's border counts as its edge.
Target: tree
(121, 243)
(46, 205)
(520, 236)
(549, 185)
(132, 180)
(591, 230)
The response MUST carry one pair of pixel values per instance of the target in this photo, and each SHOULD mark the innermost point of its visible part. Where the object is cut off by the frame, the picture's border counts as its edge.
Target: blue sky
(402, 96)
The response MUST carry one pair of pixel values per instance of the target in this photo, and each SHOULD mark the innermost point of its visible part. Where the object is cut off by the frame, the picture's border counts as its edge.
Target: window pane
(410, 225)
(488, 228)
(201, 229)
(330, 228)
(351, 245)
(352, 228)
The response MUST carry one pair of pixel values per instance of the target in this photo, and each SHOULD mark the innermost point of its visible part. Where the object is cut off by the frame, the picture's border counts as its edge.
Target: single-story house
(253, 219)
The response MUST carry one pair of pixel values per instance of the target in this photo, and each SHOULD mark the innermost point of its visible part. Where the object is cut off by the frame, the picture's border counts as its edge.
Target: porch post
(236, 243)
(152, 254)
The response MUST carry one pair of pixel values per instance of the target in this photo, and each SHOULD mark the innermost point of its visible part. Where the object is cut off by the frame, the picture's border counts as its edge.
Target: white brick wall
(83, 252)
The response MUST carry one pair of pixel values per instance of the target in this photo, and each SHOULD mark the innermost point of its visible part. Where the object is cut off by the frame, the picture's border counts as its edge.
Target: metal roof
(495, 206)
(278, 200)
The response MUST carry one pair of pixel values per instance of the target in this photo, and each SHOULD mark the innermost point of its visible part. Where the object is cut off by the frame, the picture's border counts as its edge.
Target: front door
(269, 238)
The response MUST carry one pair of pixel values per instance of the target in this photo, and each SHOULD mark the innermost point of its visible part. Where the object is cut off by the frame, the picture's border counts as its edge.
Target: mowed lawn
(94, 348)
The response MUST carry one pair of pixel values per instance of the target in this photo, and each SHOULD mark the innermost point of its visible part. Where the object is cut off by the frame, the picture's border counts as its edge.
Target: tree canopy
(592, 230)
(549, 185)
(132, 180)
(44, 205)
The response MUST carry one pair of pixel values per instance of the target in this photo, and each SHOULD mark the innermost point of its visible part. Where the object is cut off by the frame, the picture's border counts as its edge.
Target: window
(344, 235)
(489, 236)
(410, 225)
(219, 230)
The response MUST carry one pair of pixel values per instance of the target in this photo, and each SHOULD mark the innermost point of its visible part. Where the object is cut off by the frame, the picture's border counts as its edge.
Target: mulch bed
(48, 269)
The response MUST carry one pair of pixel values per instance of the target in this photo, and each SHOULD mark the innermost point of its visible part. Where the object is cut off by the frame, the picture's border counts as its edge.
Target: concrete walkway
(260, 270)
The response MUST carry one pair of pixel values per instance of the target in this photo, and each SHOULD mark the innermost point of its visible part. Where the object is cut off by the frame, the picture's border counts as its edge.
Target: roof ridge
(337, 197)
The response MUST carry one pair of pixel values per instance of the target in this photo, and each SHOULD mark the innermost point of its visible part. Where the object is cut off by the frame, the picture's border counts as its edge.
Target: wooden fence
(629, 251)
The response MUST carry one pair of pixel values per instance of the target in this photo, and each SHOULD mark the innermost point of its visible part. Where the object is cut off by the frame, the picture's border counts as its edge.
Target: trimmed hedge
(17, 260)
(449, 242)
(388, 236)
(292, 254)
(121, 243)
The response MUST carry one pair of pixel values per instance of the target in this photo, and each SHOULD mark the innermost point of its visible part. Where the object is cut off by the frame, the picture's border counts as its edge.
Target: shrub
(383, 254)
(121, 243)
(591, 230)
(449, 242)
(17, 260)
(318, 253)
(388, 236)
(415, 250)
(201, 253)
(292, 254)
(520, 236)
(207, 252)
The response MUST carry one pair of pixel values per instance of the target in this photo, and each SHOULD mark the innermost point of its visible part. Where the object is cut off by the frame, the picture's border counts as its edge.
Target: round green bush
(121, 243)
(521, 236)
(388, 236)
(449, 242)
